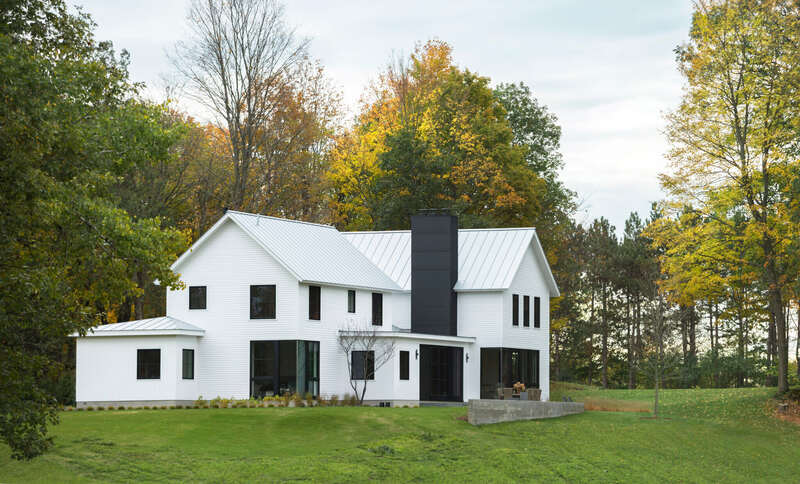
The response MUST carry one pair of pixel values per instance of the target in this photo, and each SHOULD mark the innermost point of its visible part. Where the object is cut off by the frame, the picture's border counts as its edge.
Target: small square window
(197, 297)
(262, 302)
(148, 364)
(362, 365)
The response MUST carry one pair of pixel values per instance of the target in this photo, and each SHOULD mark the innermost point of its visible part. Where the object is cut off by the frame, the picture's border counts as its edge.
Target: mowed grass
(709, 436)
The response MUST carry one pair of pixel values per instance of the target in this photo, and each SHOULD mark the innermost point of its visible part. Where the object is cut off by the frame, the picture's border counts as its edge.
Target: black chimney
(434, 272)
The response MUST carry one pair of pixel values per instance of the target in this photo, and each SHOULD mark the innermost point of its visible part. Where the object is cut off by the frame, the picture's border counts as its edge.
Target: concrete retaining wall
(482, 412)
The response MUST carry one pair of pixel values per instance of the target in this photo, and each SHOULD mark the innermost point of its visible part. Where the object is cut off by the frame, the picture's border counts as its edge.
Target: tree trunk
(605, 337)
(631, 346)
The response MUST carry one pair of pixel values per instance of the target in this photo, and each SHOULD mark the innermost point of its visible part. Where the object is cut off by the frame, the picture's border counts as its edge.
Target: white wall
(106, 369)
(529, 281)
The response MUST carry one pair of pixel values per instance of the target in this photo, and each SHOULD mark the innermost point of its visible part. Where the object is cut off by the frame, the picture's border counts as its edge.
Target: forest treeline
(102, 188)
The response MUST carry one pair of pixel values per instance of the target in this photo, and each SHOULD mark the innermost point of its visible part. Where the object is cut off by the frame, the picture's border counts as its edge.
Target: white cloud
(606, 69)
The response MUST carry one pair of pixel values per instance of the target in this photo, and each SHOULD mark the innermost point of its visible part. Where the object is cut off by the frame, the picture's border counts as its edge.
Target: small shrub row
(285, 400)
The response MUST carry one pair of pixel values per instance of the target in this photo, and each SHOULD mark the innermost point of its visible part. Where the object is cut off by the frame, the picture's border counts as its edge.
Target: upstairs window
(526, 311)
(197, 297)
(537, 312)
(148, 364)
(515, 309)
(377, 309)
(314, 302)
(262, 302)
(404, 365)
(351, 301)
(362, 365)
(188, 365)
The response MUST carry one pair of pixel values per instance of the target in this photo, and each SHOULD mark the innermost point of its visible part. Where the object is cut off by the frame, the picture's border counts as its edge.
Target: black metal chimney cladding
(434, 272)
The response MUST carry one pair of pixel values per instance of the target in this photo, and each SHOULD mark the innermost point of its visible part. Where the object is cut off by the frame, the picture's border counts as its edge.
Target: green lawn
(710, 436)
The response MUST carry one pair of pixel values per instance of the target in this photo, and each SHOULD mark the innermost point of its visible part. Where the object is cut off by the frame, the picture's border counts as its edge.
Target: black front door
(441, 373)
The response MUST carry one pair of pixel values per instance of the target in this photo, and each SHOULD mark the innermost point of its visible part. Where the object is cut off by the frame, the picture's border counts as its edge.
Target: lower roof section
(163, 326)
(415, 336)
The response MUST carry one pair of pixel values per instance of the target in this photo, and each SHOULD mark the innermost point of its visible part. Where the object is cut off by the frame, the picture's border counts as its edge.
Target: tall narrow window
(351, 301)
(314, 302)
(515, 309)
(526, 311)
(537, 312)
(262, 302)
(188, 364)
(197, 297)
(377, 309)
(404, 365)
(148, 364)
(362, 365)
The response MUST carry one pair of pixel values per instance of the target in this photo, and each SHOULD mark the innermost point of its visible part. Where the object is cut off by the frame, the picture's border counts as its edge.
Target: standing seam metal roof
(487, 258)
(313, 253)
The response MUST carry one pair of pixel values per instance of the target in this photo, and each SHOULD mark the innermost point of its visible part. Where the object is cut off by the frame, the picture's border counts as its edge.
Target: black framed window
(526, 311)
(197, 297)
(314, 299)
(404, 365)
(188, 364)
(362, 364)
(148, 364)
(377, 309)
(351, 301)
(515, 309)
(262, 302)
(537, 312)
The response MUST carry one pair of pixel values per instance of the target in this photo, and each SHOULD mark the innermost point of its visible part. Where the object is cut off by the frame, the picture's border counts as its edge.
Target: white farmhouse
(266, 299)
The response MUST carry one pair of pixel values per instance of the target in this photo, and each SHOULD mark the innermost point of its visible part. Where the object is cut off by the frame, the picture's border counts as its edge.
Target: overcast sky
(606, 69)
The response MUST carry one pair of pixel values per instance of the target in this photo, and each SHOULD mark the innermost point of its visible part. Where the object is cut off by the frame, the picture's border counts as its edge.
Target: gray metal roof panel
(164, 323)
(487, 258)
(313, 252)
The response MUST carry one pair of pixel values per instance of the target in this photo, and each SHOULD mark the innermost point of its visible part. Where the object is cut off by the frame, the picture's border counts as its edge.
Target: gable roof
(488, 259)
(312, 253)
(162, 326)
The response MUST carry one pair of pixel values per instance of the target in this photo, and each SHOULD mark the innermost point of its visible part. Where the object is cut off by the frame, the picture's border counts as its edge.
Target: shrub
(163, 407)
(146, 407)
(199, 402)
(100, 408)
(309, 399)
(270, 404)
(89, 409)
(121, 407)
(354, 401)
(334, 400)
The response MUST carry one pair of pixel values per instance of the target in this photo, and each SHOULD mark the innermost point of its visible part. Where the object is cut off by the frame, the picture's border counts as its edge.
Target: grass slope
(711, 436)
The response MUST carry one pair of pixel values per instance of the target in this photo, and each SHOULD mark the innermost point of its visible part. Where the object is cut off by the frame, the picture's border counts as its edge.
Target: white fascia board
(353, 286)
(151, 332)
(418, 336)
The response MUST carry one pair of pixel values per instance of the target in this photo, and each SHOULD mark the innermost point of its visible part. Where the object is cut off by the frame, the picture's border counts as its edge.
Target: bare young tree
(658, 363)
(239, 62)
(371, 352)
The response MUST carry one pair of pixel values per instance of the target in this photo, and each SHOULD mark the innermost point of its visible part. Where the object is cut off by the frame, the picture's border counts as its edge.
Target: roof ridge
(282, 219)
(405, 231)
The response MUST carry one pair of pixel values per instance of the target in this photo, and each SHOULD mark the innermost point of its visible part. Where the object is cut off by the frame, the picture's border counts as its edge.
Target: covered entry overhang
(437, 365)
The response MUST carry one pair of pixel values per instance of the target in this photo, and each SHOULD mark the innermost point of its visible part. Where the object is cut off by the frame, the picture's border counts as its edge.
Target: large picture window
(537, 312)
(404, 365)
(197, 297)
(314, 302)
(377, 309)
(280, 367)
(502, 367)
(188, 364)
(148, 364)
(262, 302)
(362, 365)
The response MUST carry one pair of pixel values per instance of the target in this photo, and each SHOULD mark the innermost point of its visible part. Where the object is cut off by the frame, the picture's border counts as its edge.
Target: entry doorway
(441, 373)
